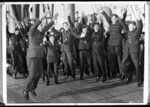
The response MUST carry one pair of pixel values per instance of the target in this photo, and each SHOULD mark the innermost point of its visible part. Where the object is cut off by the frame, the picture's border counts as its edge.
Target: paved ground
(85, 91)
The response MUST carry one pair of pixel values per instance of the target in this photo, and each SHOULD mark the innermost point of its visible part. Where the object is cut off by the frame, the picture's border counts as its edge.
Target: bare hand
(55, 17)
(123, 10)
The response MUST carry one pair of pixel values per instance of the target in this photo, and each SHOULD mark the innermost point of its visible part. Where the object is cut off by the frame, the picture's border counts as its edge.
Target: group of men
(85, 45)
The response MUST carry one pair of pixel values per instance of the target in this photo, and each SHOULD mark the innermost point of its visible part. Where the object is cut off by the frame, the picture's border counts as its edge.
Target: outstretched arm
(47, 27)
(122, 20)
(108, 19)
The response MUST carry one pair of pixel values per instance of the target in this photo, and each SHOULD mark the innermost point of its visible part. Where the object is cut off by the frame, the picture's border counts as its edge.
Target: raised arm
(122, 20)
(108, 19)
(70, 22)
(47, 27)
(139, 22)
(34, 27)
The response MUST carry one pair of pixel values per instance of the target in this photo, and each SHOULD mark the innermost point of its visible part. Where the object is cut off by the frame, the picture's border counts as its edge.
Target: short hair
(16, 29)
(133, 23)
(65, 23)
(84, 26)
(114, 15)
(96, 24)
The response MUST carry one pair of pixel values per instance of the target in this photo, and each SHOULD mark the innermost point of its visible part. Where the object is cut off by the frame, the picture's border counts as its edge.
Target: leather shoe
(47, 83)
(121, 77)
(26, 95)
(66, 76)
(73, 79)
(14, 76)
(103, 80)
(97, 78)
(127, 80)
(33, 92)
(139, 84)
(81, 77)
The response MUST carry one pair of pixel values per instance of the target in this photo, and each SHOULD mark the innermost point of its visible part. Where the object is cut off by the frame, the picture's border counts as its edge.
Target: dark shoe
(139, 84)
(127, 80)
(26, 95)
(66, 76)
(103, 80)
(47, 83)
(73, 79)
(33, 92)
(14, 76)
(121, 77)
(81, 77)
(43, 79)
(97, 78)
(56, 82)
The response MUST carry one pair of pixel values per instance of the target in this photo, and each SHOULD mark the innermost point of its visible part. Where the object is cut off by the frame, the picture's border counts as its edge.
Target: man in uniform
(132, 49)
(115, 41)
(98, 52)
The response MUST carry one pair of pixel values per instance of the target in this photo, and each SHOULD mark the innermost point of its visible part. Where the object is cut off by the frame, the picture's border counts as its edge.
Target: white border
(92, 2)
(4, 54)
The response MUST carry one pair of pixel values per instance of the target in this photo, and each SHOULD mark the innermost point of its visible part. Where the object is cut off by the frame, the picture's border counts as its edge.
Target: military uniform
(67, 52)
(85, 54)
(53, 59)
(131, 51)
(35, 55)
(98, 41)
(115, 43)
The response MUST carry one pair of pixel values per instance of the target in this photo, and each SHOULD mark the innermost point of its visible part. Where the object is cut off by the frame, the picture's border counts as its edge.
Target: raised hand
(123, 10)
(55, 16)
(43, 16)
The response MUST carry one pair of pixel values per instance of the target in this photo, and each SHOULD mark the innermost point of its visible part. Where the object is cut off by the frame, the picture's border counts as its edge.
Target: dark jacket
(53, 52)
(35, 39)
(85, 42)
(115, 31)
(132, 42)
(98, 41)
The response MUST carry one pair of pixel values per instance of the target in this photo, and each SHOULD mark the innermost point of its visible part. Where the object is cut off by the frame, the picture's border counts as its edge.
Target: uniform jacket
(85, 42)
(53, 52)
(132, 42)
(115, 38)
(35, 39)
(98, 41)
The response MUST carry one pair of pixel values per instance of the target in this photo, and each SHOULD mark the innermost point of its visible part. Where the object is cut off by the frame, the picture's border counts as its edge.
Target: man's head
(52, 39)
(16, 31)
(65, 25)
(132, 26)
(84, 29)
(96, 27)
(76, 24)
(114, 19)
(62, 29)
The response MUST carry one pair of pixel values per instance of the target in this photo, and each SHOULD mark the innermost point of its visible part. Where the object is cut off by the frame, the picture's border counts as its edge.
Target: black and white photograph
(75, 53)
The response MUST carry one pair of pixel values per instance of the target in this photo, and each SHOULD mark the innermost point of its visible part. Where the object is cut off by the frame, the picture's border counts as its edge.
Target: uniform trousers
(67, 58)
(35, 68)
(134, 57)
(85, 61)
(115, 52)
(99, 64)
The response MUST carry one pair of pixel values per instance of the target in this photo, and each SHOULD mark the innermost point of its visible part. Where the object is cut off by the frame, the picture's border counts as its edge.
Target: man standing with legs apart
(35, 55)
(98, 51)
(132, 49)
(115, 41)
